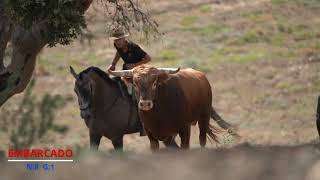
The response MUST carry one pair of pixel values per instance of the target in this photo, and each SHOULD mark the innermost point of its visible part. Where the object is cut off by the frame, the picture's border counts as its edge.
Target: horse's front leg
(118, 143)
(94, 140)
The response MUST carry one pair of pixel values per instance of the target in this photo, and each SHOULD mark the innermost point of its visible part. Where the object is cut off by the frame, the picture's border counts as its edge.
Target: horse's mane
(101, 73)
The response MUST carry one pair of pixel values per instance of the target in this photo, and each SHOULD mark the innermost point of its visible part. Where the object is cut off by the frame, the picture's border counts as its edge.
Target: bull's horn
(169, 70)
(73, 72)
(123, 73)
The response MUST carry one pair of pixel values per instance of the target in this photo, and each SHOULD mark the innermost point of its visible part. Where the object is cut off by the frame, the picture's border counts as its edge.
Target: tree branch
(129, 15)
(26, 45)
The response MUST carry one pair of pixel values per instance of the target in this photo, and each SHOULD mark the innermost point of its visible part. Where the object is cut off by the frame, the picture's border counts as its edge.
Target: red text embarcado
(47, 153)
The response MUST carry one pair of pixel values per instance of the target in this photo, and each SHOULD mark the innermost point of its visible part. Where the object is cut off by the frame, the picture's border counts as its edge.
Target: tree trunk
(5, 33)
(26, 45)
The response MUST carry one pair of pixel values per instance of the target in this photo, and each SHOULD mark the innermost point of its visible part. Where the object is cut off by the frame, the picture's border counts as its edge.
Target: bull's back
(196, 88)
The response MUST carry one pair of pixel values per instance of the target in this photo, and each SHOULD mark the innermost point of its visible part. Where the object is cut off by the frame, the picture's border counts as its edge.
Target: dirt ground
(241, 163)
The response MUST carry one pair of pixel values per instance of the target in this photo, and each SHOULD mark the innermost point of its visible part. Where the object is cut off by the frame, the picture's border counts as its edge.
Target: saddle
(124, 93)
(123, 89)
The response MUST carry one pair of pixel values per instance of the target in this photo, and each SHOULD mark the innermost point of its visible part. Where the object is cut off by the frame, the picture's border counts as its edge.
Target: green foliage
(317, 45)
(167, 55)
(290, 87)
(212, 29)
(303, 32)
(278, 39)
(298, 31)
(195, 64)
(250, 37)
(285, 28)
(237, 55)
(255, 35)
(209, 30)
(252, 15)
(63, 18)
(205, 8)
(306, 3)
(2, 156)
(32, 118)
(277, 2)
(188, 20)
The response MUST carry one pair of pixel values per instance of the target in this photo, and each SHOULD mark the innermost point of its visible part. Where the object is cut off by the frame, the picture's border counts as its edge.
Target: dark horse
(105, 111)
(318, 116)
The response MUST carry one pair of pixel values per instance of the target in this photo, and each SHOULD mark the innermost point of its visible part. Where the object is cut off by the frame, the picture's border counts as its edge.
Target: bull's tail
(318, 116)
(211, 133)
(222, 123)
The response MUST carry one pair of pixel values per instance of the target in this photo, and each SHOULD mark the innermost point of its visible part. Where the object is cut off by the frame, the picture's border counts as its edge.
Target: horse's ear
(72, 71)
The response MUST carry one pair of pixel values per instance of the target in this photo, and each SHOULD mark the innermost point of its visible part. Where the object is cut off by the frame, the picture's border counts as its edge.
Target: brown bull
(170, 101)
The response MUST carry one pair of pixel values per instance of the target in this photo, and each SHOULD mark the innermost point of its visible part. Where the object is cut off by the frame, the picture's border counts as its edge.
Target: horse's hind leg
(94, 140)
(170, 142)
(118, 143)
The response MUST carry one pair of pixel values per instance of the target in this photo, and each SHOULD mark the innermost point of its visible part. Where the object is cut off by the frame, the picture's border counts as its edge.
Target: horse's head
(84, 89)
(91, 87)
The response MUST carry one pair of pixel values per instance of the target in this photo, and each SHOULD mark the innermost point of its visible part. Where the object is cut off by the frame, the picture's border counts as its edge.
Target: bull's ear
(163, 77)
(127, 80)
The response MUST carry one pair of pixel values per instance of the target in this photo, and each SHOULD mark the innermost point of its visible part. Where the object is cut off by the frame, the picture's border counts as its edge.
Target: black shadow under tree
(30, 25)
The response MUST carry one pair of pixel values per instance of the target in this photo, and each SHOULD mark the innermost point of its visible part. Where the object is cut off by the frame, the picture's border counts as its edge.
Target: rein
(107, 109)
(85, 108)
(112, 104)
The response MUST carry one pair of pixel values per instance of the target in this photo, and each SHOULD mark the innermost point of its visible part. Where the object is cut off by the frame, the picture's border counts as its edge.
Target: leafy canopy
(63, 19)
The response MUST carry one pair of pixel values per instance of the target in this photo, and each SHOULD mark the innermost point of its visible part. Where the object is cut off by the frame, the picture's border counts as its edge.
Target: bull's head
(146, 80)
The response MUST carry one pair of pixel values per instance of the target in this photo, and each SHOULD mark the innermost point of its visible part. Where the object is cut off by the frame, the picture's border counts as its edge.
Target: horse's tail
(222, 123)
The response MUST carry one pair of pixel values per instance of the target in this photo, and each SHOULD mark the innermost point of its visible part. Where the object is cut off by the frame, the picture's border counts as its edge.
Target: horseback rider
(132, 56)
(129, 52)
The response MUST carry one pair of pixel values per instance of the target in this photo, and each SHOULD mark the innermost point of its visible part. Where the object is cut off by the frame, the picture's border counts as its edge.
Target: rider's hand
(112, 67)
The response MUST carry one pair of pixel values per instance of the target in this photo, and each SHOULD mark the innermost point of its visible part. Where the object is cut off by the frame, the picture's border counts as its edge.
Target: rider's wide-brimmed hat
(118, 34)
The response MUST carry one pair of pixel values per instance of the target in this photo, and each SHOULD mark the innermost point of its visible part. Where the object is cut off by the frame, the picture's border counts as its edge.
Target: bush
(188, 20)
(31, 119)
(167, 55)
(195, 64)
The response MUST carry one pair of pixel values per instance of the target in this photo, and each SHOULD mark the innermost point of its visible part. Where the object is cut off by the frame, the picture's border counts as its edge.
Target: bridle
(106, 109)
(89, 104)
(85, 108)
